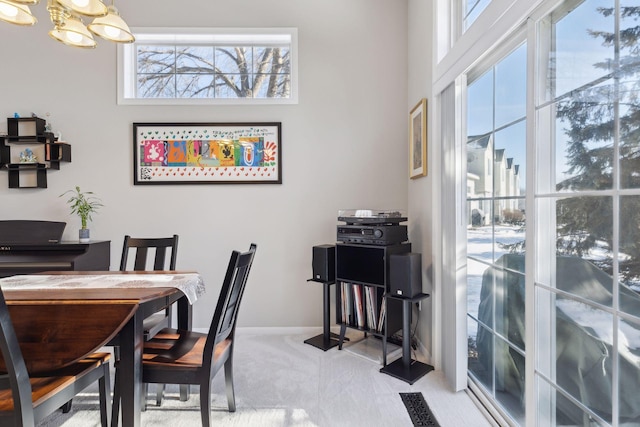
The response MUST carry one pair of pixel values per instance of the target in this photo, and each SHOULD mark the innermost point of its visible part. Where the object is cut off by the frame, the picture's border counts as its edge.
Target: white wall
(344, 145)
(420, 190)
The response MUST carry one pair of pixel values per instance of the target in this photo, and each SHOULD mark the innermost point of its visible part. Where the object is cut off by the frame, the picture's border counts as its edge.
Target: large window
(568, 318)
(209, 66)
(496, 164)
(588, 361)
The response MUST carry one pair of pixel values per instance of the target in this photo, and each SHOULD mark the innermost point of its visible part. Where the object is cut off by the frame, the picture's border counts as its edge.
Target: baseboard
(276, 330)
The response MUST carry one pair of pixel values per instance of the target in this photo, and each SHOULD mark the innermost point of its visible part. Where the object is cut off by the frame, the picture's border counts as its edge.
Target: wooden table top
(58, 326)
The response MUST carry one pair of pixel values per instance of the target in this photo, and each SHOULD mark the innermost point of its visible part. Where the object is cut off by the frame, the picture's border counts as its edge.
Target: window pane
(583, 355)
(584, 256)
(480, 106)
(194, 59)
(566, 412)
(511, 156)
(629, 112)
(472, 348)
(156, 85)
(194, 86)
(580, 56)
(274, 60)
(509, 380)
(271, 86)
(477, 287)
(511, 87)
(510, 300)
(472, 9)
(482, 367)
(233, 60)
(584, 146)
(232, 86)
(480, 168)
(629, 256)
(629, 358)
(156, 59)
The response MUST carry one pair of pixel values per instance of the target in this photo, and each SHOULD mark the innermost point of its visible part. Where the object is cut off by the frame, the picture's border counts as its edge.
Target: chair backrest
(17, 376)
(223, 324)
(142, 246)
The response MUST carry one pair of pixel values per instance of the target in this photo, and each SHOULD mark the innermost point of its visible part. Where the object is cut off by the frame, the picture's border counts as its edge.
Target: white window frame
(194, 36)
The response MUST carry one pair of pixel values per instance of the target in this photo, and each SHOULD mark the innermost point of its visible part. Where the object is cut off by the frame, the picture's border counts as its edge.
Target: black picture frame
(207, 153)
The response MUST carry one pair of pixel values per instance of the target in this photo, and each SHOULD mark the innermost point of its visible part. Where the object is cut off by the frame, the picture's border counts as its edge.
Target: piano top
(67, 246)
(30, 232)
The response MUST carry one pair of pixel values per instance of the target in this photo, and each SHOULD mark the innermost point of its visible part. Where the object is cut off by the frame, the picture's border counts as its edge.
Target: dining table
(63, 316)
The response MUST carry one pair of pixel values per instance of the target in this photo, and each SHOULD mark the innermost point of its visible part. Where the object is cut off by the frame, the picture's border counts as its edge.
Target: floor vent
(418, 410)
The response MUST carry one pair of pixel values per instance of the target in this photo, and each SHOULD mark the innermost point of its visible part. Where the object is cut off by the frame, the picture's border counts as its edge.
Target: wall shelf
(29, 132)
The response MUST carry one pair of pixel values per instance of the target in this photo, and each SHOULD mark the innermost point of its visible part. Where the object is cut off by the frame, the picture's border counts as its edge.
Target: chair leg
(205, 403)
(115, 409)
(105, 396)
(66, 407)
(184, 392)
(228, 379)
(143, 397)
(160, 394)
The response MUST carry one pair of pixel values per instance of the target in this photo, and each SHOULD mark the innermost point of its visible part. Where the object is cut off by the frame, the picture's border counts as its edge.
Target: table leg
(185, 314)
(131, 338)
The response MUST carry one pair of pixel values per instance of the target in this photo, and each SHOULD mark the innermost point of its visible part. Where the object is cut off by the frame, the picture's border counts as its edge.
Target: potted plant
(83, 203)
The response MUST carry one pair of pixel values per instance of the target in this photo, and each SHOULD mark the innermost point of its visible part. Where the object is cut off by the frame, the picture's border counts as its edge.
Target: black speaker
(405, 274)
(324, 263)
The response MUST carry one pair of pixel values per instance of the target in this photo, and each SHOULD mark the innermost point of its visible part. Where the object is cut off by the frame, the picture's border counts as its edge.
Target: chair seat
(173, 348)
(42, 388)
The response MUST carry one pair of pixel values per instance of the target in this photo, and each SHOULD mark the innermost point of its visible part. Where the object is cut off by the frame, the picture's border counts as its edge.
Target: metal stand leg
(405, 368)
(326, 340)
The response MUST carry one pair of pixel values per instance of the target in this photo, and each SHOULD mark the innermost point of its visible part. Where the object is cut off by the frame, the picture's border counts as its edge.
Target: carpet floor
(280, 381)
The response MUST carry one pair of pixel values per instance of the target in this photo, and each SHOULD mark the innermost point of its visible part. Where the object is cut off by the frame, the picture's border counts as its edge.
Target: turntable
(371, 217)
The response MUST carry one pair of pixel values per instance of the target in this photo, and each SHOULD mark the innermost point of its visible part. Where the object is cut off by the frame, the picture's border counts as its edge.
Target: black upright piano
(28, 247)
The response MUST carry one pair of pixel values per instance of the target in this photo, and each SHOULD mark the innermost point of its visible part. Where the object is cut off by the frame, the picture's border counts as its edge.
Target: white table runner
(191, 284)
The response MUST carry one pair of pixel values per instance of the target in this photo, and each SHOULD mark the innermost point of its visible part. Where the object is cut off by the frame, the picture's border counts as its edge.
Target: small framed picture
(418, 140)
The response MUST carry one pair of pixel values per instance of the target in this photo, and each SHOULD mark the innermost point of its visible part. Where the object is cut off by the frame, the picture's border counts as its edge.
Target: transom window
(471, 9)
(209, 66)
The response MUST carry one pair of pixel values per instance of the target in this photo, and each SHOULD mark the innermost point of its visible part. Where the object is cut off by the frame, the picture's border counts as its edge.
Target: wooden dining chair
(26, 400)
(185, 357)
(144, 248)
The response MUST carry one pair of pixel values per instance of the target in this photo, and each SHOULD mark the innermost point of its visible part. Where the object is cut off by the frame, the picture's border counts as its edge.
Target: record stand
(326, 339)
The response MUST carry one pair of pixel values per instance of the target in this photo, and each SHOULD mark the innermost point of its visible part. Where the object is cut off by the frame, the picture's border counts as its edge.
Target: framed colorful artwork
(207, 153)
(418, 140)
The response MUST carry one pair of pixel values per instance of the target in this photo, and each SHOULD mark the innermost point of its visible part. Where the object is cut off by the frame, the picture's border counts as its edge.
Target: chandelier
(66, 16)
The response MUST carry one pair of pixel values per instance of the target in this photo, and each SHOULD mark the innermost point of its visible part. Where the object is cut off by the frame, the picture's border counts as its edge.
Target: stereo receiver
(372, 234)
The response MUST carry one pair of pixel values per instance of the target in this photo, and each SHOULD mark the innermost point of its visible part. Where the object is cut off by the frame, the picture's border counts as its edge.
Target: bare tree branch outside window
(213, 71)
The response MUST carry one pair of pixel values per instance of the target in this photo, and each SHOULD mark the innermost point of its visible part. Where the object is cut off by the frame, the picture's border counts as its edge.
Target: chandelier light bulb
(72, 37)
(16, 13)
(8, 10)
(112, 32)
(81, 3)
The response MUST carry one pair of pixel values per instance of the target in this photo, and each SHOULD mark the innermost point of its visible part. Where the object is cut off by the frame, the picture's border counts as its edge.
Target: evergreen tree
(595, 116)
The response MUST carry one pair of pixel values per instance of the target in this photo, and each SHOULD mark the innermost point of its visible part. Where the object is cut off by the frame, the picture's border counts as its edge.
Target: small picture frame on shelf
(418, 140)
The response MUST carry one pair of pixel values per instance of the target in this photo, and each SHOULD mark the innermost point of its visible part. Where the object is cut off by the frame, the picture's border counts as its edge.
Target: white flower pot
(83, 235)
